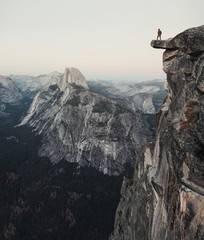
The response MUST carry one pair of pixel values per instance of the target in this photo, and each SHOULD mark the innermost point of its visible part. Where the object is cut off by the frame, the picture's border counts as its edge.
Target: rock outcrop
(84, 127)
(162, 44)
(190, 41)
(171, 182)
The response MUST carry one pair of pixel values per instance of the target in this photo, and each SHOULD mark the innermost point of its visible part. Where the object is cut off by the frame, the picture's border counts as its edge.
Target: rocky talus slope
(165, 197)
(80, 126)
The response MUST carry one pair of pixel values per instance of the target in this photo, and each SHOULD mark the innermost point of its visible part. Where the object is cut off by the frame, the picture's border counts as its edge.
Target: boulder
(190, 41)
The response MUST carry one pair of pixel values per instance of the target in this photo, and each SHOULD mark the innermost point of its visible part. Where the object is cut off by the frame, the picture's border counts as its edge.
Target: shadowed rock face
(134, 213)
(176, 172)
(80, 126)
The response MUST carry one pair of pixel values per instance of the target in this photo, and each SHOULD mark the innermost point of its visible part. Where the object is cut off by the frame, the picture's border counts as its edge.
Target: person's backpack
(159, 32)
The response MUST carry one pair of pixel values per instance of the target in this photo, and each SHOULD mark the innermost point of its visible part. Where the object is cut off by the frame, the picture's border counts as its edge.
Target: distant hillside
(144, 97)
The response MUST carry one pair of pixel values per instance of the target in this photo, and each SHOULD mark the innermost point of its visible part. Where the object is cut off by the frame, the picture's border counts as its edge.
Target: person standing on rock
(159, 34)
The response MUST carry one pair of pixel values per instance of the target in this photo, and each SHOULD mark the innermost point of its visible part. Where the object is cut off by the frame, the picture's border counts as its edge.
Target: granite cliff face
(133, 218)
(165, 197)
(80, 126)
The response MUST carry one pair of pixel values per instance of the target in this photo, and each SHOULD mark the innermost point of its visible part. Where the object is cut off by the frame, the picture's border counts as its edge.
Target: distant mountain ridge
(137, 96)
(129, 88)
(9, 91)
(30, 85)
(9, 94)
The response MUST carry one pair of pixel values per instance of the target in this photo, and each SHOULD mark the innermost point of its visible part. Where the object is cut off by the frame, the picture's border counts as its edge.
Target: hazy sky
(102, 38)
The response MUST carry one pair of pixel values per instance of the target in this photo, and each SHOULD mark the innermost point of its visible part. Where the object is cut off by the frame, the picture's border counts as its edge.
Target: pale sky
(107, 39)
